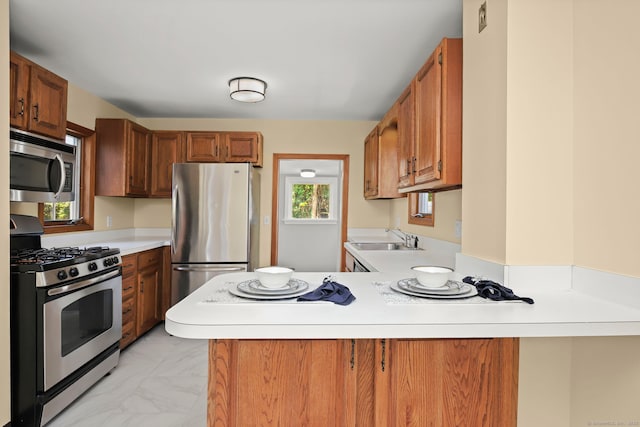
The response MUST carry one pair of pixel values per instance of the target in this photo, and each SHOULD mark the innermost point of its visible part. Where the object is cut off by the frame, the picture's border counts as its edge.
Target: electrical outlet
(482, 17)
(266, 220)
(458, 229)
(109, 221)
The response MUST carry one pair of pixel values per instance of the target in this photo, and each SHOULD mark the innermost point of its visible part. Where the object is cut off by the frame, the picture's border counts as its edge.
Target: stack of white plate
(253, 289)
(450, 290)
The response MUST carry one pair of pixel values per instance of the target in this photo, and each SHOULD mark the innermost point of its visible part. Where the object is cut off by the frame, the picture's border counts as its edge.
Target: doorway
(309, 214)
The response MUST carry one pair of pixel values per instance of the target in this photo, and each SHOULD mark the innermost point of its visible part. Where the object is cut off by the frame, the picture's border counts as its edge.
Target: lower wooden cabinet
(364, 383)
(129, 299)
(149, 282)
(145, 291)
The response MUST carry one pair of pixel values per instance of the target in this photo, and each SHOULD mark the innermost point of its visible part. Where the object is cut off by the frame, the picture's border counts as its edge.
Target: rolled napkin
(329, 291)
(494, 291)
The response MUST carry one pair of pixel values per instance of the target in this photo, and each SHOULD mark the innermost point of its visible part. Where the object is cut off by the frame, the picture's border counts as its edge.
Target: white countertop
(127, 240)
(556, 313)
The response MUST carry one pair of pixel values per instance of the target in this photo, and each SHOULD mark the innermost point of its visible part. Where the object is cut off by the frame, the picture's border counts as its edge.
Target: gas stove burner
(44, 256)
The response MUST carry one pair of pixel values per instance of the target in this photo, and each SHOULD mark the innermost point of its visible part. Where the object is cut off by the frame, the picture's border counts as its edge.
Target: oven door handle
(83, 284)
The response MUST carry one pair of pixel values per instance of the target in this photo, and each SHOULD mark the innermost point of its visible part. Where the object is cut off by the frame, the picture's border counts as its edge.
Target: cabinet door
(203, 147)
(281, 383)
(406, 137)
(371, 146)
(138, 151)
(243, 147)
(428, 120)
(129, 299)
(19, 91)
(164, 302)
(446, 382)
(166, 149)
(148, 292)
(48, 103)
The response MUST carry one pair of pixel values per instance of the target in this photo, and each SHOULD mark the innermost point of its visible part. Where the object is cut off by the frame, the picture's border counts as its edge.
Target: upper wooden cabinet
(243, 147)
(227, 147)
(203, 147)
(381, 159)
(167, 148)
(122, 158)
(38, 98)
(431, 148)
(371, 164)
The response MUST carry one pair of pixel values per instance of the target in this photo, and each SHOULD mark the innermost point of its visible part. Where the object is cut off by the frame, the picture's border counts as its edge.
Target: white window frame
(334, 208)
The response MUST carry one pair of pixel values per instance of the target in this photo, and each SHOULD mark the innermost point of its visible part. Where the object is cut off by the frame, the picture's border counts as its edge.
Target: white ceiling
(321, 59)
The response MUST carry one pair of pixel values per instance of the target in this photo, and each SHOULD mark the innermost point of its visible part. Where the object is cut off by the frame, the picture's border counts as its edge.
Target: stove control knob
(93, 266)
(107, 262)
(115, 260)
(73, 272)
(62, 275)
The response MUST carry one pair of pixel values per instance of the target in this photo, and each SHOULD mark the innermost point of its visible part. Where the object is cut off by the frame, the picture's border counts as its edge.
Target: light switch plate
(482, 17)
(458, 229)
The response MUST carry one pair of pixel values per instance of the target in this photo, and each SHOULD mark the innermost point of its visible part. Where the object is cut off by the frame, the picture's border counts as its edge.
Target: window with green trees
(310, 201)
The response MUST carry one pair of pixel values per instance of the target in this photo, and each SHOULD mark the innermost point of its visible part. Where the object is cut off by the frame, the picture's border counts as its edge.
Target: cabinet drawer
(128, 334)
(128, 311)
(129, 266)
(128, 288)
(150, 258)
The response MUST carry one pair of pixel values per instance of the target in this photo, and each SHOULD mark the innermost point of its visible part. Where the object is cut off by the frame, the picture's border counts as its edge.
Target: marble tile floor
(160, 381)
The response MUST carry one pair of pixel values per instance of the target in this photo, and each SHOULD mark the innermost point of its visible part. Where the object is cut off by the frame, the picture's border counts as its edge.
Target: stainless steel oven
(81, 320)
(66, 321)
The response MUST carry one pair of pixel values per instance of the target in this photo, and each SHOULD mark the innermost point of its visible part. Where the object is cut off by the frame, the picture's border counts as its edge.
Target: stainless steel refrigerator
(215, 223)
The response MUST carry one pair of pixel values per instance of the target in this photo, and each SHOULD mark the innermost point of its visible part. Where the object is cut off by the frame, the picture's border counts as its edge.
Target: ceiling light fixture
(307, 173)
(247, 89)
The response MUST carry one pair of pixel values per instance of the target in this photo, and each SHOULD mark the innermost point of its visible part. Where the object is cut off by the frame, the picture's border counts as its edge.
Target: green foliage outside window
(310, 201)
(59, 211)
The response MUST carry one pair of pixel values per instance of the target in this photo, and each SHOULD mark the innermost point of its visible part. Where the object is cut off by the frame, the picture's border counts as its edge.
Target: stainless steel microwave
(41, 169)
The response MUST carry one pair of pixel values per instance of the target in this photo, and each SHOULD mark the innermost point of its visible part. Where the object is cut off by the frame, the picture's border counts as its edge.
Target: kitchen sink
(372, 246)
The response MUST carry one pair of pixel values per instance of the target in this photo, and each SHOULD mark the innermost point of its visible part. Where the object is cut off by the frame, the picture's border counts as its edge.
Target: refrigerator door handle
(195, 268)
(174, 222)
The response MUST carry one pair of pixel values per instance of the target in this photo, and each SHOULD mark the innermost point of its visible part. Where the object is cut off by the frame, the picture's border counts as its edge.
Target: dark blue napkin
(494, 291)
(329, 291)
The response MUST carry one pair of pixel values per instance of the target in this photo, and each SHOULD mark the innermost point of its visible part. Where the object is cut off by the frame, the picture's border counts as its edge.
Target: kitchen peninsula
(383, 360)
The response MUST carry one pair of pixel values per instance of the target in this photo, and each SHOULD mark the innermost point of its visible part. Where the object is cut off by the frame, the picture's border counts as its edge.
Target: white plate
(237, 291)
(255, 287)
(452, 288)
(472, 293)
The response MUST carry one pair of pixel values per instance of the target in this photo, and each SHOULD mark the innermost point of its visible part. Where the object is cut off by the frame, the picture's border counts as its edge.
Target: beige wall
(607, 135)
(484, 132)
(5, 410)
(550, 115)
(448, 210)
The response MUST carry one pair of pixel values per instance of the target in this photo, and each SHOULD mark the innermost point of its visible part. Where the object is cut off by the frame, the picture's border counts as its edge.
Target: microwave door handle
(63, 176)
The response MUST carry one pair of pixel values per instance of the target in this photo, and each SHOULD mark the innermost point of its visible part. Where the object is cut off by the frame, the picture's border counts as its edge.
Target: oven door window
(85, 319)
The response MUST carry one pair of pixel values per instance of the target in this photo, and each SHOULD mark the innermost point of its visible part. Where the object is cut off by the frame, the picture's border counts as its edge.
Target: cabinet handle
(216, 151)
(21, 101)
(127, 288)
(408, 167)
(126, 311)
(35, 109)
(352, 361)
(414, 166)
(141, 287)
(383, 342)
